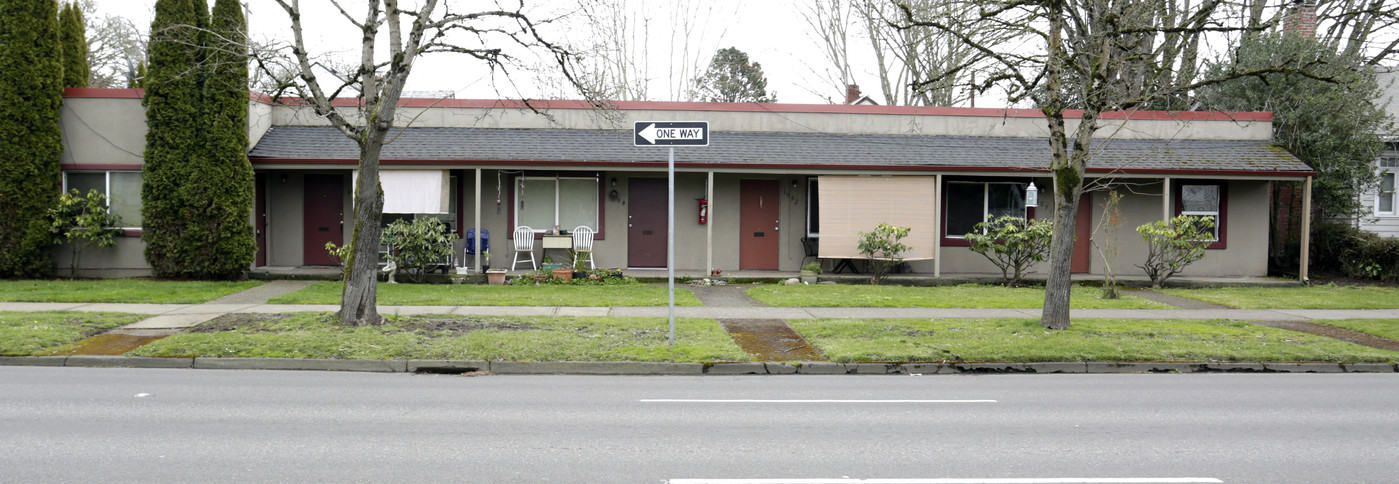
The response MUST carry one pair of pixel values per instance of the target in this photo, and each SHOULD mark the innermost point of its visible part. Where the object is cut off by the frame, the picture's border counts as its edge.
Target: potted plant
(549, 264)
(562, 274)
(496, 277)
(810, 271)
(580, 268)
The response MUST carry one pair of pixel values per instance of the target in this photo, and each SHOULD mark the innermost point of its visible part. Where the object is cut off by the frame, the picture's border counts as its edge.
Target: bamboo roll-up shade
(854, 204)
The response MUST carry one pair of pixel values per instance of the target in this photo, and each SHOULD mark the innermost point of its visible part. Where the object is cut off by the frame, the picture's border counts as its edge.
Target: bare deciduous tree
(114, 47)
(1075, 60)
(377, 81)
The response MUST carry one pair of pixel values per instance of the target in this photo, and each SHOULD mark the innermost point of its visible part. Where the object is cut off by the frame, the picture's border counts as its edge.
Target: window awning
(414, 191)
(854, 204)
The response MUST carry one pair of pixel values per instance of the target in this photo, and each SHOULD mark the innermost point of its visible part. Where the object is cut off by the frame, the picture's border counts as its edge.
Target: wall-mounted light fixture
(614, 182)
(1032, 195)
(794, 183)
(284, 178)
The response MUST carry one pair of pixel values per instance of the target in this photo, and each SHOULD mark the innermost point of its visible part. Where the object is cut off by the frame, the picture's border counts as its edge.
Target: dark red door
(1083, 235)
(646, 222)
(325, 216)
(757, 224)
(260, 218)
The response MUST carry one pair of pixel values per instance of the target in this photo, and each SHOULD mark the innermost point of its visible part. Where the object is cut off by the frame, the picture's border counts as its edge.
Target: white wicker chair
(524, 243)
(583, 244)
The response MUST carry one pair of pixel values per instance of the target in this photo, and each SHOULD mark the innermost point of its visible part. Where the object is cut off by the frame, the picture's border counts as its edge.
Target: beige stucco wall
(103, 131)
(126, 258)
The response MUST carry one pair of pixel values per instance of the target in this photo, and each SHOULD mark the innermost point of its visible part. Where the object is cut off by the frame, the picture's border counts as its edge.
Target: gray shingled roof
(615, 147)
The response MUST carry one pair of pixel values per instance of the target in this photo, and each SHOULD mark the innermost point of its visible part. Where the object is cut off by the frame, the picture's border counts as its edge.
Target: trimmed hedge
(31, 92)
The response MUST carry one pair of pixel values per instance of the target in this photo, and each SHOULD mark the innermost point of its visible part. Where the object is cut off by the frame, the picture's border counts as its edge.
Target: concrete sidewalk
(723, 312)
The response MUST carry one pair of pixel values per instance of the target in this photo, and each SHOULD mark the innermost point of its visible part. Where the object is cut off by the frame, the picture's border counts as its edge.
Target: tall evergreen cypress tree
(224, 233)
(31, 91)
(173, 111)
(72, 35)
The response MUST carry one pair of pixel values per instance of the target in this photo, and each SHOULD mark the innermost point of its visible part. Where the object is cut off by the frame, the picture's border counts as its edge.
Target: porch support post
(476, 222)
(1306, 229)
(1166, 199)
(937, 225)
(709, 227)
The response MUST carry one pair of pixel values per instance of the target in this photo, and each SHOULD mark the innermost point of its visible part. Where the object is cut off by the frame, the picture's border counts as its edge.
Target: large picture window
(122, 188)
(970, 203)
(566, 202)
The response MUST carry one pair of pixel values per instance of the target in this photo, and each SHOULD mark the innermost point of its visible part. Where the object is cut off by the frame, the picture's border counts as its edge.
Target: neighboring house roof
(613, 148)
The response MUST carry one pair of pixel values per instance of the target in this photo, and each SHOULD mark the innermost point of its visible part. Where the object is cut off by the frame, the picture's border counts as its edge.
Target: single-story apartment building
(778, 185)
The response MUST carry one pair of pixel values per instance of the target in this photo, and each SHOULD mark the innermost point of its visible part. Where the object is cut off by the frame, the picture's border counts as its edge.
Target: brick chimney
(1302, 19)
(852, 93)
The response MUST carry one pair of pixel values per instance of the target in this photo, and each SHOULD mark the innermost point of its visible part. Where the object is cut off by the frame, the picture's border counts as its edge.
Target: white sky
(772, 32)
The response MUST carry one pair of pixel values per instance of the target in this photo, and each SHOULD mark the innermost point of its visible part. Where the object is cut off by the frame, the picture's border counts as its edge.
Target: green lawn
(484, 295)
(313, 335)
(1087, 340)
(1384, 328)
(961, 296)
(1316, 297)
(39, 332)
(119, 291)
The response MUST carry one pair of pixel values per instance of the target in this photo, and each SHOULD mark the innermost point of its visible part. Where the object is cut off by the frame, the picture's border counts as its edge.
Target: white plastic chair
(524, 243)
(583, 244)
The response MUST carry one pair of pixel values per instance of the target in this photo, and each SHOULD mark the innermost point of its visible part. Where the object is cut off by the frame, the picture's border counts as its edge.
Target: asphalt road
(150, 425)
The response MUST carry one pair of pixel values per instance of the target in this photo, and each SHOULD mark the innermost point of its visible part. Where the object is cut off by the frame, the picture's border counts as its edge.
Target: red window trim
(601, 201)
(1223, 242)
(942, 225)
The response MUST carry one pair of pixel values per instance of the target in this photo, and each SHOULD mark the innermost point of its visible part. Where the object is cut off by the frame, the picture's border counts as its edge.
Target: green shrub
(882, 249)
(82, 221)
(1375, 258)
(1173, 245)
(417, 244)
(1012, 244)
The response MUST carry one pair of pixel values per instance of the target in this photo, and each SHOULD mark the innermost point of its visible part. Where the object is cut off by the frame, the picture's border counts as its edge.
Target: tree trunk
(1061, 255)
(359, 299)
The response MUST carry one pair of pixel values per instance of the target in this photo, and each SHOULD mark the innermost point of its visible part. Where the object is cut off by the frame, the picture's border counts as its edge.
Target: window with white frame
(970, 203)
(122, 188)
(543, 203)
(1201, 201)
(1385, 200)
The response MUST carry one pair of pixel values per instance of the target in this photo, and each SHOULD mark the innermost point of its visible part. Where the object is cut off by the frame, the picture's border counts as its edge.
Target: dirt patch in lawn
(1363, 339)
(110, 344)
(461, 326)
(770, 340)
(234, 321)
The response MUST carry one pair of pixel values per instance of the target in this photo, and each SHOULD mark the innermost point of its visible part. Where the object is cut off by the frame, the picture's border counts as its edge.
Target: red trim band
(100, 166)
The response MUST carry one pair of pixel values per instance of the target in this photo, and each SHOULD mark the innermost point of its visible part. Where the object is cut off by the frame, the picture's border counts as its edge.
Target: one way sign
(672, 133)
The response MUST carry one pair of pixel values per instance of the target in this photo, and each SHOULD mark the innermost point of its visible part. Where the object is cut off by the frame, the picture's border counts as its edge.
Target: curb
(667, 368)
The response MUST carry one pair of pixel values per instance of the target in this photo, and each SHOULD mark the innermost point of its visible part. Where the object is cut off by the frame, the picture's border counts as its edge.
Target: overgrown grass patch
(959, 296)
(1384, 328)
(120, 290)
(1329, 296)
(1087, 340)
(39, 332)
(316, 335)
(485, 295)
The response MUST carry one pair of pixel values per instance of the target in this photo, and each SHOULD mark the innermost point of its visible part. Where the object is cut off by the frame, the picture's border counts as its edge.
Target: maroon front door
(260, 218)
(757, 224)
(646, 222)
(1083, 236)
(325, 217)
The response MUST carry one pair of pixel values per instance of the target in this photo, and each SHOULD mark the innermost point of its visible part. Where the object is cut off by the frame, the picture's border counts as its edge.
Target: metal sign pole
(670, 240)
